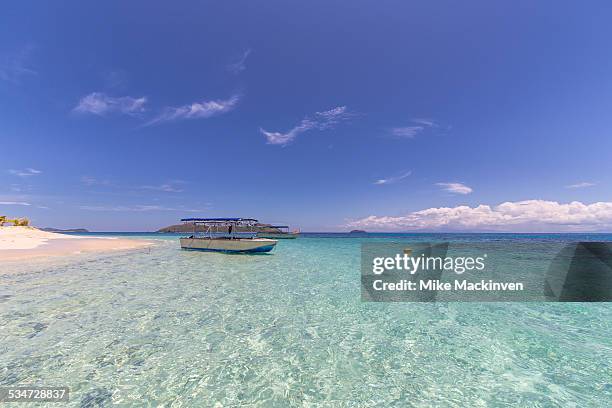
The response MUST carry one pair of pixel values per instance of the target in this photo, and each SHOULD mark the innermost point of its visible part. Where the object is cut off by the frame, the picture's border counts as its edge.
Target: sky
(326, 116)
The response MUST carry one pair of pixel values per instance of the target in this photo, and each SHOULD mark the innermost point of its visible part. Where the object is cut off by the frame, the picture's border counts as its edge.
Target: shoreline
(20, 243)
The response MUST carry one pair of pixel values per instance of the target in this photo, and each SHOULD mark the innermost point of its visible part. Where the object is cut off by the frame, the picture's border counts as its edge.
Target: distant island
(64, 230)
(358, 232)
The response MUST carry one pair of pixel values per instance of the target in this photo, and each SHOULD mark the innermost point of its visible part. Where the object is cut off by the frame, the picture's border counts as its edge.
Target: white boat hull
(237, 245)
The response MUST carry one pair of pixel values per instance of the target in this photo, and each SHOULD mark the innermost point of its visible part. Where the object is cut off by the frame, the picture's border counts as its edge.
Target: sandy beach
(17, 243)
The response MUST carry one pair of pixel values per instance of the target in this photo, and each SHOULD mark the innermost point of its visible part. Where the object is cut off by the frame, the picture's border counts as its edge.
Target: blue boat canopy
(218, 220)
(279, 226)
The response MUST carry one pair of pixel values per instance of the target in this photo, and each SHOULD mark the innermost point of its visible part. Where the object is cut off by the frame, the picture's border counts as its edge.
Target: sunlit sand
(17, 243)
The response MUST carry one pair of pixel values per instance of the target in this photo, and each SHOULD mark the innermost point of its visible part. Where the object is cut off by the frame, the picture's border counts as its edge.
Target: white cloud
(319, 121)
(394, 179)
(406, 132)
(425, 122)
(581, 185)
(14, 203)
(196, 110)
(457, 188)
(409, 132)
(239, 66)
(278, 138)
(98, 103)
(25, 172)
(529, 215)
(332, 117)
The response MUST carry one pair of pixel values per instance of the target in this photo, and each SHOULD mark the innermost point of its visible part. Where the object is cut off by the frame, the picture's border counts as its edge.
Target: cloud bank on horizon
(517, 216)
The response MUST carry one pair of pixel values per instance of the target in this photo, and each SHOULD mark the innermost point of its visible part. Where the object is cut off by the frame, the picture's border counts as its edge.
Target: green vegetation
(18, 222)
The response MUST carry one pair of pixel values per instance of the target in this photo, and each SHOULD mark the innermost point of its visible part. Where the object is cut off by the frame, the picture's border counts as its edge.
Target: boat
(230, 241)
(282, 232)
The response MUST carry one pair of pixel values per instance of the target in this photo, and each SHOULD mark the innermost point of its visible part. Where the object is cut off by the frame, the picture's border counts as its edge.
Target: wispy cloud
(173, 186)
(196, 110)
(98, 103)
(166, 187)
(409, 132)
(25, 172)
(425, 122)
(529, 215)
(17, 188)
(13, 67)
(394, 179)
(91, 181)
(15, 203)
(319, 121)
(137, 208)
(581, 185)
(239, 65)
(457, 188)
(278, 138)
(406, 132)
(122, 208)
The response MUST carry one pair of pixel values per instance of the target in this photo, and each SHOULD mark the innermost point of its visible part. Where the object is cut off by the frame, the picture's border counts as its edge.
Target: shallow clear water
(164, 327)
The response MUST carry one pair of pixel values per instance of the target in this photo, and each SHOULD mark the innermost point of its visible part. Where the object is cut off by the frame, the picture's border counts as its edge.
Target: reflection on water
(181, 328)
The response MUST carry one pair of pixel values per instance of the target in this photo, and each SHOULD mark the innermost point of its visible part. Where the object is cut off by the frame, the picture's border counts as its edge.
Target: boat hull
(228, 245)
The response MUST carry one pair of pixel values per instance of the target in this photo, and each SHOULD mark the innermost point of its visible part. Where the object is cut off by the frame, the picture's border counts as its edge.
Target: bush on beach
(17, 222)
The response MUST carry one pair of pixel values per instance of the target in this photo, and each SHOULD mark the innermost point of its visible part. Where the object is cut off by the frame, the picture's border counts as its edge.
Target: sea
(164, 327)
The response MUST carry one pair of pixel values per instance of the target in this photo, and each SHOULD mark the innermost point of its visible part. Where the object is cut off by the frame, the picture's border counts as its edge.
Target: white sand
(18, 243)
(27, 237)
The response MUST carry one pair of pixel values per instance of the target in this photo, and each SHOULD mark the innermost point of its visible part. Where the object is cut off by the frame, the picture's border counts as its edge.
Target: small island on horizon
(49, 229)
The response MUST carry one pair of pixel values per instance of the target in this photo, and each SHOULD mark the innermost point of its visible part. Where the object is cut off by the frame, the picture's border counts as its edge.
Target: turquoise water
(164, 327)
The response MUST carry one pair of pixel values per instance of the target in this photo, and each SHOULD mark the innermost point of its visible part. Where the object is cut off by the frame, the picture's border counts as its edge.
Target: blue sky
(322, 115)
